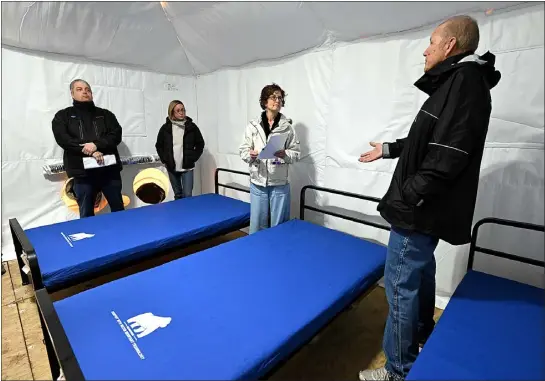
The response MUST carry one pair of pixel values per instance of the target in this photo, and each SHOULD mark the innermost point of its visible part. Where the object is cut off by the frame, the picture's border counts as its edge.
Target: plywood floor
(352, 342)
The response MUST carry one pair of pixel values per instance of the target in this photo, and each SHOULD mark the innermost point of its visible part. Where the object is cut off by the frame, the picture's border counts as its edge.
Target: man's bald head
(465, 30)
(457, 35)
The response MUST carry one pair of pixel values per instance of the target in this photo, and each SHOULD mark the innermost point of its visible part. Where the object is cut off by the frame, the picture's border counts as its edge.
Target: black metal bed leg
(53, 361)
(13, 224)
(24, 276)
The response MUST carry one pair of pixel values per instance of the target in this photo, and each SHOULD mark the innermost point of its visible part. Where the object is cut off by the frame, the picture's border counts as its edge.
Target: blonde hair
(171, 107)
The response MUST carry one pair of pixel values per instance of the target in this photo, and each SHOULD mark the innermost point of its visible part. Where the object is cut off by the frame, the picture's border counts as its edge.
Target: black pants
(87, 188)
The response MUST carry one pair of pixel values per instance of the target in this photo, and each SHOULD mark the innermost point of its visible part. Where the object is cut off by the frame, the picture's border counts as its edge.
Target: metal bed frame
(473, 248)
(60, 352)
(49, 320)
(23, 246)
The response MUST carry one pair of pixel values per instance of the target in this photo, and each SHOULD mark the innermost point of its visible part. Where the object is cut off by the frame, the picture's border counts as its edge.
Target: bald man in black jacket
(434, 187)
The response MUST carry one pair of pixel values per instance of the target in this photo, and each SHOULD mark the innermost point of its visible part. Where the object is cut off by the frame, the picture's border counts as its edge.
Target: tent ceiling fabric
(192, 38)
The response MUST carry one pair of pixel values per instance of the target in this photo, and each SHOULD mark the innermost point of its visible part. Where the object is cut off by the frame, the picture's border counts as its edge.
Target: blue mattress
(236, 309)
(492, 329)
(113, 238)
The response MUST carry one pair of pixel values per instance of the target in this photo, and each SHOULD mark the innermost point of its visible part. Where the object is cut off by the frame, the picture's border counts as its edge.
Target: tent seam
(179, 41)
(23, 20)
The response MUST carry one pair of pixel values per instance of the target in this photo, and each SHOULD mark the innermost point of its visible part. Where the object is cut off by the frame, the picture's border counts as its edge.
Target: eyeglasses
(276, 98)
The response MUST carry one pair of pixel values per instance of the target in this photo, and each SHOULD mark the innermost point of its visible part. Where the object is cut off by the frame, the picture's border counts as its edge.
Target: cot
(68, 253)
(491, 329)
(235, 311)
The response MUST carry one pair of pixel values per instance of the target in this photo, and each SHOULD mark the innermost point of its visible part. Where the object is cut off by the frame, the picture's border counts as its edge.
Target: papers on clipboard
(91, 162)
(276, 143)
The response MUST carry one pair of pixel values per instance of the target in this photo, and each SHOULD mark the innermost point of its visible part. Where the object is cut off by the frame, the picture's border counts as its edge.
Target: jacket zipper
(80, 130)
(96, 129)
(266, 163)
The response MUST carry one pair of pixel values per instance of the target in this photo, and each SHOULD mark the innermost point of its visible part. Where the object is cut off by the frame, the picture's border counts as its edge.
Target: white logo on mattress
(145, 324)
(140, 326)
(76, 237)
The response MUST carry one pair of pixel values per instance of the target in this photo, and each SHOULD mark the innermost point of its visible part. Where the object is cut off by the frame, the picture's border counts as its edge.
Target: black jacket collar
(84, 106)
(436, 76)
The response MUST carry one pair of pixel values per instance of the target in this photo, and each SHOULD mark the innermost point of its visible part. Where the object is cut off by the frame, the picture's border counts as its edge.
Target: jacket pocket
(99, 126)
(408, 197)
(278, 172)
(256, 173)
(397, 198)
(75, 128)
(192, 154)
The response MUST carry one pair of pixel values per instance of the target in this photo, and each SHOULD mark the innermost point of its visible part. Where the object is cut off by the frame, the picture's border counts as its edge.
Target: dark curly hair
(269, 90)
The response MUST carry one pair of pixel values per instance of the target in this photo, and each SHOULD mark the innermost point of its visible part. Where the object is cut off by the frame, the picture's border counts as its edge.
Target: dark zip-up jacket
(434, 186)
(85, 123)
(193, 145)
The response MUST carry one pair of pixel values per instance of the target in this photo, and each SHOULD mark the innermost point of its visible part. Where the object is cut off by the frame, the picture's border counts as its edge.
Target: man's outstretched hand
(374, 154)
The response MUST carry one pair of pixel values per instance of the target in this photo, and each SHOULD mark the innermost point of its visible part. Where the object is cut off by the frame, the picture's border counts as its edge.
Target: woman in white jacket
(269, 184)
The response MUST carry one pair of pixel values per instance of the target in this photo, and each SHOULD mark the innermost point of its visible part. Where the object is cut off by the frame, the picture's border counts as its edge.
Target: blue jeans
(86, 189)
(275, 199)
(182, 183)
(409, 279)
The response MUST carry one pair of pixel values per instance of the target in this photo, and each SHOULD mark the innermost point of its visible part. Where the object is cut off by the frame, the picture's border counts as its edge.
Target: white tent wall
(342, 98)
(34, 88)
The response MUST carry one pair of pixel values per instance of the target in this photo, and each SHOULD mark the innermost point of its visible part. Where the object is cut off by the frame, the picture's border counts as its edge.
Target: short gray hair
(465, 30)
(79, 80)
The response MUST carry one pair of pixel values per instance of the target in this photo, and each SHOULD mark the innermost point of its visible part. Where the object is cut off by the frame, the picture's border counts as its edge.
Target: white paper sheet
(276, 143)
(91, 162)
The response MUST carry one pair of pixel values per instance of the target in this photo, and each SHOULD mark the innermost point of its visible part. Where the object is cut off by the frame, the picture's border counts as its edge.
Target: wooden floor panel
(15, 360)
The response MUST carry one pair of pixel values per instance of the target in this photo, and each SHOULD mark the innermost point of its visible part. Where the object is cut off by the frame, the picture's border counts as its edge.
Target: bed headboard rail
(499, 221)
(304, 206)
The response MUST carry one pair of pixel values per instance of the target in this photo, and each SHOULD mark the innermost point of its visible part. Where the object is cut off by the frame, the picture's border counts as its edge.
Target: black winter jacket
(434, 186)
(193, 145)
(85, 123)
